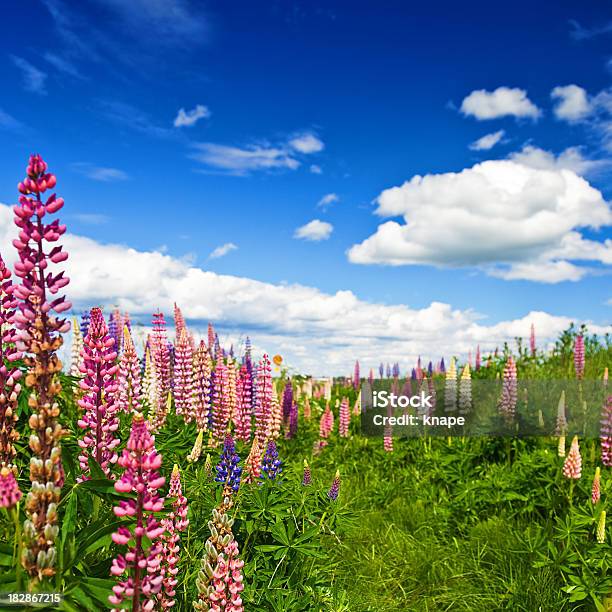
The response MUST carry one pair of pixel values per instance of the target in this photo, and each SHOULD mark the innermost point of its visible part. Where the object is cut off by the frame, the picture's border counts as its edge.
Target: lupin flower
(307, 409)
(179, 322)
(149, 392)
(606, 433)
(579, 356)
(561, 446)
(388, 439)
(141, 563)
(293, 420)
(252, 465)
(381, 370)
(356, 376)
(9, 489)
(220, 404)
(99, 383)
(532, 341)
(243, 404)
(276, 418)
(196, 451)
(174, 523)
(263, 400)
(201, 387)
(77, 347)
(605, 378)
(509, 396)
(601, 528)
(129, 394)
(596, 488)
(388, 371)
(114, 327)
(183, 373)
(287, 402)
(326, 424)
(465, 390)
(450, 388)
(9, 376)
(227, 581)
(84, 325)
(345, 417)
(334, 490)
(271, 465)
(561, 419)
(307, 477)
(572, 468)
(39, 336)
(161, 360)
(228, 470)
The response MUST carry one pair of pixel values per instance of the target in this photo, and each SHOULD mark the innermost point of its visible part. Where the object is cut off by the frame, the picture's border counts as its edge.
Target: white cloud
(572, 103)
(504, 101)
(241, 161)
(33, 78)
(504, 217)
(63, 65)
(488, 141)
(8, 122)
(320, 333)
(328, 199)
(91, 218)
(100, 173)
(307, 143)
(188, 118)
(222, 250)
(316, 169)
(569, 159)
(314, 230)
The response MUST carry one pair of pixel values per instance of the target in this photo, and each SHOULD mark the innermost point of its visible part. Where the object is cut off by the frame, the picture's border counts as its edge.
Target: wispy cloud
(99, 173)
(188, 118)
(314, 231)
(488, 141)
(33, 78)
(316, 169)
(262, 156)
(91, 218)
(223, 250)
(8, 122)
(578, 32)
(134, 118)
(63, 65)
(328, 199)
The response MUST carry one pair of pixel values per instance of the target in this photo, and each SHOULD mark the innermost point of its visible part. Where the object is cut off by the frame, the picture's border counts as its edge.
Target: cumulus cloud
(572, 103)
(222, 250)
(502, 102)
(314, 231)
(33, 79)
(507, 218)
(328, 199)
(188, 118)
(320, 333)
(569, 159)
(488, 141)
(307, 143)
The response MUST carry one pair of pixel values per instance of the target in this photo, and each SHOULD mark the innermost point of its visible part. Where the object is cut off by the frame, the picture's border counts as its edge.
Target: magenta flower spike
(596, 487)
(39, 337)
(532, 341)
(579, 356)
(200, 386)
(9, 489)
(507, 404)
(220, 411)
(345, 418)
(9, 376)
(263, 401)
(99, 383)
(307, 475)
(334, 490)
(129, 395)
(606, 433)
(183, 373)
(161, 361)
(227, 581)
(211, 340)
(478, 361)
(243, 404)
(140, 565)
(174, 523)
(572, 467)
(356, 376)
(179, 322)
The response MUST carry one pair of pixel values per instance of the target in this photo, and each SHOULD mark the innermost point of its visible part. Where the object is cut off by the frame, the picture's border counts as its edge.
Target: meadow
(179, 473)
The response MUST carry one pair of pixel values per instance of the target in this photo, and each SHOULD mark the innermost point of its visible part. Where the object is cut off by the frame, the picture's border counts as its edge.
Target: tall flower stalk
(263, 401)
(579, 356)
(200, 386)
(9, 375)
(183, 374)
(509, 396)
(130, 389)
(345, 417)
(39, 336)
(99, 420)
(140, 566)
(161, 360)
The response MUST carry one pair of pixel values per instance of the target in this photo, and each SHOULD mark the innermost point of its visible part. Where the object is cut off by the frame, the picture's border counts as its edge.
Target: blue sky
(285, 103)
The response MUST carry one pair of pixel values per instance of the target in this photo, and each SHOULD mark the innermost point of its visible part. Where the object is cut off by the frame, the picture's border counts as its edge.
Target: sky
(338, 180)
